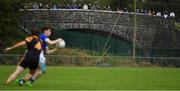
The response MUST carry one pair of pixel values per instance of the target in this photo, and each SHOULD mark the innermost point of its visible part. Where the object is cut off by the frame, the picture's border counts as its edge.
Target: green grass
(95, 78)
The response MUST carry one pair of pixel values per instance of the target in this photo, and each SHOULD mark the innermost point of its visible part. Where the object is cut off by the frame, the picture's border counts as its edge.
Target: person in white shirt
(172, 14)
(158, 14)
(85, 7)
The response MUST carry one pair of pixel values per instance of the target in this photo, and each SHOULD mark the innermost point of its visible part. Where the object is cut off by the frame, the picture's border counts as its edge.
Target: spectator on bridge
(137, 11)
(158, 13)
(70, 7)
(104, 8)
(47, 6)
(26, 6)
(93, 7)
(85, 7)
(153, 13)
(54, 7)
(79, 6)
(67, 7)
(58, 6)
(35, 6)
(125, 10)
(149, 12)
(40, 6)
(172, 14)
(165, 14)
(142, 11)
(146, 12)
(98, 7)
(109, 8)
(89, 6)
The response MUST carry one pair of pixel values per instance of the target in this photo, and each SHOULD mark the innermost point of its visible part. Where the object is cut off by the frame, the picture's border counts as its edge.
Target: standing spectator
(109, 8)
(146, 12)
(89, 6)
(79, 6)
(35, 6)
(98, 7)
(158, 13)
(138, 11)
(93, 7)
(142, 11)
(40, 5)
(172, 14)
(58, 6)
(119, 10)
(67, 7)
(165, 14)
(149, 12)
(25, 6)
(46, 6)
(125, 10)
(153, 13)
(104, 8)
(54, 7)
(85, 7)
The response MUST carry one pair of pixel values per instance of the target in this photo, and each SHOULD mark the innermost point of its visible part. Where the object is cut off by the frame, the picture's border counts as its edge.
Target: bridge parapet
(104, 21)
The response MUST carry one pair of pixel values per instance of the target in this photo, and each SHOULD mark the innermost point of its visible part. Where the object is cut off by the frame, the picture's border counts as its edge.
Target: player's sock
(21, 82)
(30, 82)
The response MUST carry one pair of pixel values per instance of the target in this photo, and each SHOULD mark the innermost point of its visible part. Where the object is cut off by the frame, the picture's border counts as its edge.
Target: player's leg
(33, 66)
(41, 68)
(23, 80)
(13, 76)
(32, 72)
(38, 73)
(27, 76)
(30, 78)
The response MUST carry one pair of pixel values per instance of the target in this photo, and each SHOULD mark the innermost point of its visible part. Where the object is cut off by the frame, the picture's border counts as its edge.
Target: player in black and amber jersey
(31, 58)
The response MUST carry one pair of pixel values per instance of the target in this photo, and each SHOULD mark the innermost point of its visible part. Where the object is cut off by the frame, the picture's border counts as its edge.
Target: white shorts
(42, 58)
(42, 62)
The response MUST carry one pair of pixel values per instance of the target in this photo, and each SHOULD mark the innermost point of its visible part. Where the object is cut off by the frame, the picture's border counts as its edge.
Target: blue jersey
(43, 38)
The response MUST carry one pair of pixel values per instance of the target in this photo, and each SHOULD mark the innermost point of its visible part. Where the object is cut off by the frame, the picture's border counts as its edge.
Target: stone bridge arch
(103, 21)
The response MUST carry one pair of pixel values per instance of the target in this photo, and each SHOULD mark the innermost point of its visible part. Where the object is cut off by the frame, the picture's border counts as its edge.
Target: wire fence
(106, 61)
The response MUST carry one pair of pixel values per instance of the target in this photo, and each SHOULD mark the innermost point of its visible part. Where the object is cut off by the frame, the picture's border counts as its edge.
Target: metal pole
(134, 32)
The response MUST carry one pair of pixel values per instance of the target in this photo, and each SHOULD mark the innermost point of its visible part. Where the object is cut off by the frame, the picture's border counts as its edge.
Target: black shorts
(30, 61)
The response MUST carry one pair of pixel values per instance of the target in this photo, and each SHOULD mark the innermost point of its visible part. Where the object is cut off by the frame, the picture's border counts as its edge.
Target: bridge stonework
(149, 28)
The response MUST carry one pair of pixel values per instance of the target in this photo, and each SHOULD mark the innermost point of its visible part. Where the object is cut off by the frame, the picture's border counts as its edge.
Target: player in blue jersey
(46, 33)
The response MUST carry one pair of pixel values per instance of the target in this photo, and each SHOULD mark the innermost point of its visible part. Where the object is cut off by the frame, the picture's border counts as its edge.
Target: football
(61, 44)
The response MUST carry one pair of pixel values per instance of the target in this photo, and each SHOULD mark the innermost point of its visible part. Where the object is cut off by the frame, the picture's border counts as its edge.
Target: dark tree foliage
(10, 33)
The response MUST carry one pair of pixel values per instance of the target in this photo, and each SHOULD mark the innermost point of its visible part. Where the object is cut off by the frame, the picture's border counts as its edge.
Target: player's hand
(8, 49)
(59, 39)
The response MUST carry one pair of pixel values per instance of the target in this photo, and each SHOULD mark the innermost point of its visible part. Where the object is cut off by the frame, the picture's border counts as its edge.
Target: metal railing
(105, 61)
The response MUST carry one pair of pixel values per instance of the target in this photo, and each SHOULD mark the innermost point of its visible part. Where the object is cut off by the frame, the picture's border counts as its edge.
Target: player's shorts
(30, 60)
(42, 62)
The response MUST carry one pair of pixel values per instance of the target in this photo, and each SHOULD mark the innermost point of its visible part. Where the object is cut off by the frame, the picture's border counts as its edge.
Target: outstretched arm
(22, 43)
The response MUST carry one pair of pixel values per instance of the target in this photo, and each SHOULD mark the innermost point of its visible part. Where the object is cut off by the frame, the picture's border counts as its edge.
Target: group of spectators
(35, 5)
(165, 14)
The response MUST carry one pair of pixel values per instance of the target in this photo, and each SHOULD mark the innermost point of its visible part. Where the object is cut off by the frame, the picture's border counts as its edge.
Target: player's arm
(53, 42)
(50, 51)
(22, 43)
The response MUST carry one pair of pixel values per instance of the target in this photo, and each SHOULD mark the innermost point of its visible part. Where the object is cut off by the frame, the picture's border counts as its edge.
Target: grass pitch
(95, 78)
